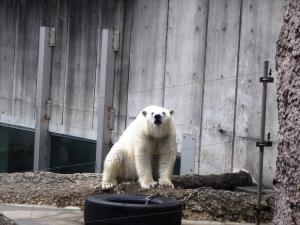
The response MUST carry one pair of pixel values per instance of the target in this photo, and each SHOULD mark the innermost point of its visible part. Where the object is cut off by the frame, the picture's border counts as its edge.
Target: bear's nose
(157, 116)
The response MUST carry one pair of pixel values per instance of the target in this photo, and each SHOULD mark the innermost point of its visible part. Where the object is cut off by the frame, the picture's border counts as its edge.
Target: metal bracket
(48, 109)
(264, 144)
(268, 79)
(111, 119)
(116, 40)
(52, 37)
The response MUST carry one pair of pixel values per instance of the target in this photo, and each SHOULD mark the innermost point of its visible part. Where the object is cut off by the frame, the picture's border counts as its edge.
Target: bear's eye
(164, 113)
(152, 113)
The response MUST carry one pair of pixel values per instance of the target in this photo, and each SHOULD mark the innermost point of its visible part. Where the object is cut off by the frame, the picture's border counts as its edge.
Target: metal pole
(105, 99)
(265, 79)
(43, 104)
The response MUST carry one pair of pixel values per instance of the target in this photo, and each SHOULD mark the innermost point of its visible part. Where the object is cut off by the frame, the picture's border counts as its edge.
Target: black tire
(113, 209)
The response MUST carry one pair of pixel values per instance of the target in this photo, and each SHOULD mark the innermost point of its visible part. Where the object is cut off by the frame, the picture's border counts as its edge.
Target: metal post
(105, 99)
(262, 143)
(41, 142)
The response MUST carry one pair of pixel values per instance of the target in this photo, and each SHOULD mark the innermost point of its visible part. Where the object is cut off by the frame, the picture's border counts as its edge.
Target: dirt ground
(45, 188)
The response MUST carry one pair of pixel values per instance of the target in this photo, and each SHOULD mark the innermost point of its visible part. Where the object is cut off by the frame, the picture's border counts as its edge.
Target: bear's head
(159, 121)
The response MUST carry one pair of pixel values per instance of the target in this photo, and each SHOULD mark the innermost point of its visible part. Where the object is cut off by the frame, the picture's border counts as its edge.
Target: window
(16, 149)
(72, 155)
(176, 170)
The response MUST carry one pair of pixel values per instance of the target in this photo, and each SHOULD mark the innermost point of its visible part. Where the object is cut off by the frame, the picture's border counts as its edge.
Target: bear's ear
(144, 113)
(171, 112)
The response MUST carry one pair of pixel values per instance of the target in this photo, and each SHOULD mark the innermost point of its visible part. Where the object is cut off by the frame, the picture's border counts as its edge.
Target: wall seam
(203, 87)
(98, 54)
(129, 59)
(15, 64)
(236, 89)
(166, 51)
(66, 64)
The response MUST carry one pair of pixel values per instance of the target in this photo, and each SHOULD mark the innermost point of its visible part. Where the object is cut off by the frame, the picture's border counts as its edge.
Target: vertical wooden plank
(8, 15)
(106, 21)
(41, 140)
(59, 59)
(185, 64)
(261, 23)
(124, 73)
(111, 18)
(119, 11)
(219, 87)
(80, 69)
(147, 55)
(25, 63)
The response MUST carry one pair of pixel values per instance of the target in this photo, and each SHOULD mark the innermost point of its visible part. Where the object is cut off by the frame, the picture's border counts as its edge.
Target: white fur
(144, 151)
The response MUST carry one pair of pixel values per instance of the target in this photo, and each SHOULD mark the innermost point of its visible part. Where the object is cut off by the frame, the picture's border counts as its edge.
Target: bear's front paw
(166, 184)
(148, 185)
(108, 185)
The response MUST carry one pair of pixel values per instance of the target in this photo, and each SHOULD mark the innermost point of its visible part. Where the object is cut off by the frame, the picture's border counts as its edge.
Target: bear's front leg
(109, 179)
(144, 170)
(166, 163)
(112, 167)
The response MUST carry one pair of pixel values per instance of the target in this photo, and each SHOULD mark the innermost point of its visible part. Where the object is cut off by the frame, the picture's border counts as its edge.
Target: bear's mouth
(157, 122)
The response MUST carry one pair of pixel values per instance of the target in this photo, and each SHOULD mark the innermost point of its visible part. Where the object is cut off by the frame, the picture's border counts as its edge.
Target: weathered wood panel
(121, 116)
(78, 24)
(147, 55)
(8, 12)
(60, 14)
(111, 17)
(163, 51)
(81, 68)
(219, 88)
(25, 62)
(118, 71)
(260, 29)
(184, 80)
(74, 114)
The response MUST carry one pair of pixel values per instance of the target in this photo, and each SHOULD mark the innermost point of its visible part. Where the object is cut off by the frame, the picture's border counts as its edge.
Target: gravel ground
(45, 188)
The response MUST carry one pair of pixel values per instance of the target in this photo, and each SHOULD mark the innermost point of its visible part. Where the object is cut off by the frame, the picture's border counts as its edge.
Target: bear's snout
(157, 119)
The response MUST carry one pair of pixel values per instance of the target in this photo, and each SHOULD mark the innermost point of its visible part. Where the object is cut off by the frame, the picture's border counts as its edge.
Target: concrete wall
(202, 58)
(18, 61)
(75, 61)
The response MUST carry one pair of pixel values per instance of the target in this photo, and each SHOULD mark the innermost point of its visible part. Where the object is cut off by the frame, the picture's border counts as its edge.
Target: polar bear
(146, 150)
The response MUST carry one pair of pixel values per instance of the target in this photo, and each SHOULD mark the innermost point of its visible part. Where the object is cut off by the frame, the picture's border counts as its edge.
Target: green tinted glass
(70, 155)
(176, 170)
(16, 149)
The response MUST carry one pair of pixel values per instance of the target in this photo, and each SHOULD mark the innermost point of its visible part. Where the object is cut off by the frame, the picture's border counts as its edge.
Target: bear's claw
(149, 185)
(166, 184)
(108, 185)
